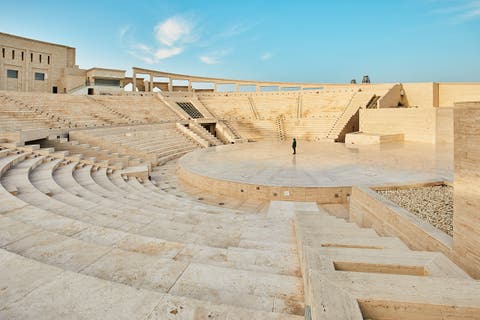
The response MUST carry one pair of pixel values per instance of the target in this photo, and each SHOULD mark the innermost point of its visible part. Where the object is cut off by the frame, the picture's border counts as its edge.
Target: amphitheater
(150, 197)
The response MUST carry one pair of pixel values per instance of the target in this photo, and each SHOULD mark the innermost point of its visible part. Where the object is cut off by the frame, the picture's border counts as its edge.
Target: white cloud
(266, 56)
(174, 30)
(208, 60)
(171, 38)
(164, 53)
(215, 57)
(463, 11)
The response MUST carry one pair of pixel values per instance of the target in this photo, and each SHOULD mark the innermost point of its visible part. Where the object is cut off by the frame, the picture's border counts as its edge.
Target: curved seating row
(86, 221)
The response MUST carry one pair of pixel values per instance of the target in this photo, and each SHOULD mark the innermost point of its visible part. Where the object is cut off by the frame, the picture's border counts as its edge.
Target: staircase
(281, 134)
(202, 108)
(253, 109)
(204, 133)
(190, 109)
(299, 106)
(372, 104)
(191, 135)
(353, 273)
(358, 100)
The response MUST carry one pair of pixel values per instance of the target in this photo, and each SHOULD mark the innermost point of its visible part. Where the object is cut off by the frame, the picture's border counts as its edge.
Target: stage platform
(320, 171)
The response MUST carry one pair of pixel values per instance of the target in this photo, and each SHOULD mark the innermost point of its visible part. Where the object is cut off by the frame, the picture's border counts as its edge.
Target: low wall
(417, 124)
(449, 93)
(371, 138)
(262, 192)
(371, 210)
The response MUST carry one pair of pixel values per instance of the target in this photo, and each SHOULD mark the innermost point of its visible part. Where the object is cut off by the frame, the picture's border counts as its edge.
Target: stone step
(254, 290)
(36, 290)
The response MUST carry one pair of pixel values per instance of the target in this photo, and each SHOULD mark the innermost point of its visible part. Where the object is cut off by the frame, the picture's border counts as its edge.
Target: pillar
(466, 215)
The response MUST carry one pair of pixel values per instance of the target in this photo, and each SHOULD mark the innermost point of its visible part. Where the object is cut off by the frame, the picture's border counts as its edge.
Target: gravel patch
(431, 204)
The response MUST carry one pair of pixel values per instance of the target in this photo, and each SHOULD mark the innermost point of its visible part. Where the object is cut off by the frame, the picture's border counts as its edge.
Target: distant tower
(366, 79)
(353, 81)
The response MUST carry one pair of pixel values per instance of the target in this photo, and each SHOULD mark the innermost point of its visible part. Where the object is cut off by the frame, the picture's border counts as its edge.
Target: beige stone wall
(417, 124)
(449, 93)
(370, 210)
(422, 95)
(29, 56)
(444, 131)
(262, 192)
(391, 98)
(466, 218)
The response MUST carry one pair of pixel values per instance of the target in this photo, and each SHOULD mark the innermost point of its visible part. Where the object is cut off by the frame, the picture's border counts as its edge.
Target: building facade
(38, 66)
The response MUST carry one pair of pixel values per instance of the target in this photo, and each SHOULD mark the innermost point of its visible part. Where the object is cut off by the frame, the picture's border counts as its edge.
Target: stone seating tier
(96, 225)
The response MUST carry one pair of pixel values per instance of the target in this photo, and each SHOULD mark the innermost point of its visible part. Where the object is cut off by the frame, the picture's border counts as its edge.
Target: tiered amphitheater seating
(85, 240)
(145, 109)
(324, 102)
(228, 106)
(69, 110)
(14, 116)
(273, 105)
(96, 153)
(256, 130)
(309, 129)
(155, 143)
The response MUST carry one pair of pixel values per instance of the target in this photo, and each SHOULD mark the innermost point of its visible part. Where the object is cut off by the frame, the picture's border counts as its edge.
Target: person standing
(294, 146)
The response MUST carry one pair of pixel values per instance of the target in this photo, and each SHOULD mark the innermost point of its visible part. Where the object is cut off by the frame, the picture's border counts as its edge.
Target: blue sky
(310, 41)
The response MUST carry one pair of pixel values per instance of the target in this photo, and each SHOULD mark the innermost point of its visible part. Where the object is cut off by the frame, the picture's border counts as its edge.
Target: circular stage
(318, 172)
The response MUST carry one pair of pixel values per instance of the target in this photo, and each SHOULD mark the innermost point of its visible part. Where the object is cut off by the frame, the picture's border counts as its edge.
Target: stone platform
(322, 172)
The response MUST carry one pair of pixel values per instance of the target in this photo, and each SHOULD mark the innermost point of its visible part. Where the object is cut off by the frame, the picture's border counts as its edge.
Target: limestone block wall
(449, 93)
(371, 210)
(422, 95)
(417, 124)
(444, 133)
(466, 218)
(391, 98)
